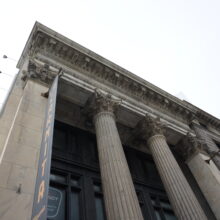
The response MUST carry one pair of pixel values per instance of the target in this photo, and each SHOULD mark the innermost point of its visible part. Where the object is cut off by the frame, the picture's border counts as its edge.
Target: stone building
(122, 148)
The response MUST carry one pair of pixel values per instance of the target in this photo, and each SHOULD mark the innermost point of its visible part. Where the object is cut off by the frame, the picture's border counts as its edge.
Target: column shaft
(121, 201)
(182, 198)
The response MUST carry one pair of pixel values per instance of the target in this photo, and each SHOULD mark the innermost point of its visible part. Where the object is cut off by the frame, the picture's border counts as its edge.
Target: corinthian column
(120, 198)
(206, 174)
(181, 196)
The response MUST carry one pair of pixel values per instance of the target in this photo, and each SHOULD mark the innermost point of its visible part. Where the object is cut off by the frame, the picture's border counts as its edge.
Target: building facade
(84, 139)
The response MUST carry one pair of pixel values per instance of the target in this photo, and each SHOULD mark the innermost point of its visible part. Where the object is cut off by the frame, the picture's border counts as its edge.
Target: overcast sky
(173, 44)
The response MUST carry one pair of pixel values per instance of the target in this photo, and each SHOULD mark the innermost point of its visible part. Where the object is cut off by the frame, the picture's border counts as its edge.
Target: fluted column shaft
(181, 196)
(120, 198)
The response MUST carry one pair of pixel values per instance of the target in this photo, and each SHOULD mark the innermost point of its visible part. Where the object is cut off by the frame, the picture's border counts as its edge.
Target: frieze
(84, 63)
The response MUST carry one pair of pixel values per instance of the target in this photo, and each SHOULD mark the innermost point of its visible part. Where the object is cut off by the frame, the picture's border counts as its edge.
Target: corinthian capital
(190, 145)
(105, 102)
(100, 102)
(194, 144)
(149, 127)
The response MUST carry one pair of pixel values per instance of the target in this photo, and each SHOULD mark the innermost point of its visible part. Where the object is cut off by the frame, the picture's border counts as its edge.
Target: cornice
(47, 42)
(88, 65)
(205, 117)
(208, 118)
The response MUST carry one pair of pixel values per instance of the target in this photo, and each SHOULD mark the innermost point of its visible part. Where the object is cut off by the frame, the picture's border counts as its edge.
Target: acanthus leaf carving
(149, 127)
(195, 143)
(105, 102)
(39, 72)
(190, 145)
(99, 102)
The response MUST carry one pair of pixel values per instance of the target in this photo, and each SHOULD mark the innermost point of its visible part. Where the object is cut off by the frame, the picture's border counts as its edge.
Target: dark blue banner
(39, 211)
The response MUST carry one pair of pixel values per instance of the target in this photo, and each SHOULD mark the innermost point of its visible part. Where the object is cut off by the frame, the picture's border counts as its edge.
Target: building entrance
(75, 183)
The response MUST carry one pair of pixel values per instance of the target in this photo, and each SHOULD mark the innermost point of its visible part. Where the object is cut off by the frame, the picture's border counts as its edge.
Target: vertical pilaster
(18, 169)
(120, 198)
(181, 196)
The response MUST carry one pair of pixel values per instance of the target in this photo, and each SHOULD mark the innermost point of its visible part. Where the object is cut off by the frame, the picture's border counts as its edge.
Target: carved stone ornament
(100, 102)
(191, 145)
(73, 58)
(195, 142)
(105, 102)
(149, 127)
(39, 72)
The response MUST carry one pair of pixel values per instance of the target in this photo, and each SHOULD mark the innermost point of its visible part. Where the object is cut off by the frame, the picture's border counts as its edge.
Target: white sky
(172, 44)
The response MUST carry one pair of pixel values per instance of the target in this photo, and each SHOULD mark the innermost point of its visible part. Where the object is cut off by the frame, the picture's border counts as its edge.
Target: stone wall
(19, 163)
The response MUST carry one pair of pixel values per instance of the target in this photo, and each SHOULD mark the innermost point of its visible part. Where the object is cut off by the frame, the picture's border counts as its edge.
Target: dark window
(162, 208)
(142, 167)
(57, 178)
(73, 143)
(64, 189)
(75, 186)
(75, 198)
(150, 170)
(56, 209)
(141, 201)
(93, 149)
(60, 139)
(75, 204)
(99, 203)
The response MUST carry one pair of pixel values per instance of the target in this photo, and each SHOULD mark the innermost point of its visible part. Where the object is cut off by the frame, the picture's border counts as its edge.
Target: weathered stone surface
(5, 169)
(211, 147)
(29, 121)
(119, 194)
(208, 178)
(2, 142)
(190, 145)
(35, 90)
(23, 177)
(181, 196)
(89, 63)
(32, 107)
(26, 136)
(21, 153)
(5, 125)
(14, 206)
(49, 50)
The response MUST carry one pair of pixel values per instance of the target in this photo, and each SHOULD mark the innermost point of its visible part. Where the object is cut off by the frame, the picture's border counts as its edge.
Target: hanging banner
(39, 211)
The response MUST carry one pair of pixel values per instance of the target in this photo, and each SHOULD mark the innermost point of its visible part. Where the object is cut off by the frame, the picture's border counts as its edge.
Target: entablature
(49, 51)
